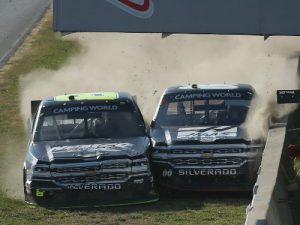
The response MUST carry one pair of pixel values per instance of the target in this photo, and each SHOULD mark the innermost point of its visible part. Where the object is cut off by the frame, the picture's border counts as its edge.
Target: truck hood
(89, 149)
(201, 135)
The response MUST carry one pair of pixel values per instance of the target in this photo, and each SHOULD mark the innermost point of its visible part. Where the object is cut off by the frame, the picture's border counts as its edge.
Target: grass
(179, 210)
(49, 51)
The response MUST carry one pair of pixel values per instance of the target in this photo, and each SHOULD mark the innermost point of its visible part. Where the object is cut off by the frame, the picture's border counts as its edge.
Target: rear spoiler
(34, 107)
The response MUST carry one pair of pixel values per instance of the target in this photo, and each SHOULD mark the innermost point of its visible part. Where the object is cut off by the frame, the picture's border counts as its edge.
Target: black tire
(24, 186)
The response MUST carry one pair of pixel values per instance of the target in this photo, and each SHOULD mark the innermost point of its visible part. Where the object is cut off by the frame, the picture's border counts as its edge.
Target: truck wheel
(24, 186)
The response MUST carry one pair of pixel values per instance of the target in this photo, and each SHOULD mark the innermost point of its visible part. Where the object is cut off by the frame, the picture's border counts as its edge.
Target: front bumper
(136, 190)
(206, 179)
(230, 167)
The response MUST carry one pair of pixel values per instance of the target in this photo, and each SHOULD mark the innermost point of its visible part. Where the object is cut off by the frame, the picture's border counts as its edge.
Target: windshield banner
(87, 108)
(203, 95)
(91, 108)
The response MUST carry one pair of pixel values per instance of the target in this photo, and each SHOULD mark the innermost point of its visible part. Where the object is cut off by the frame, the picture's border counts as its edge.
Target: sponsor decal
(207, 139)
(167, 173)
(90, 173)
(139, 8)
(286, 92)
(39, 194)
(92, 148)
(209, 154)
(138, 181)
(207, 172)
(208, 95)
(93, 108)
(288, 96)
(104, 187)
(206, 134)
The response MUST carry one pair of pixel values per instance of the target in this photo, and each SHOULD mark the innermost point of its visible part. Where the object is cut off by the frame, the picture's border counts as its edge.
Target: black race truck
(198, 140)
(88, 149)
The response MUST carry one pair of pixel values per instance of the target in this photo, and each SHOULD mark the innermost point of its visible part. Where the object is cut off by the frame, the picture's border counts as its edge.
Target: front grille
(75, 169)
(89, 168)
(107, 170)
(208, 162)
(97, 178)
(114, 165)
(214, 151)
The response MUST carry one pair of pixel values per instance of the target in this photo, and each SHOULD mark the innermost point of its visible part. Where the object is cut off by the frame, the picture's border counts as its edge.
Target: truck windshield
(106, 124)
(202, 112)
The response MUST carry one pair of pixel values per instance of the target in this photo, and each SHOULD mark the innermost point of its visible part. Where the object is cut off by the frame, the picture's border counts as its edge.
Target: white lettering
(86, 108)
(207, 172)
(210, 172)
(94, 187)
(208, 95)
(233, 172)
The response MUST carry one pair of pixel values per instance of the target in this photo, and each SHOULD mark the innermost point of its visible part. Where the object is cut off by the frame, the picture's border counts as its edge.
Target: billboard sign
(257, 17)
(288, 96)
(142, 9)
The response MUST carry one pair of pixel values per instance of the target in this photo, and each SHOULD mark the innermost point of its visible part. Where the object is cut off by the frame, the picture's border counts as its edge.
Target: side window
(179, 108)
(48, 121)
(178, 113)
(59, 126)
(65, 125)
(172, 108)
(48, 130)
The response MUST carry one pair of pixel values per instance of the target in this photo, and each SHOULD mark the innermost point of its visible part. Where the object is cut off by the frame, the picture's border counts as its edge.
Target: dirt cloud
(145, 64)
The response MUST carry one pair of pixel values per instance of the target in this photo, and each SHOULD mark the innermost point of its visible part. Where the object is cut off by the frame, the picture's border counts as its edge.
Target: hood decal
(49, 153)
(88, 151)
(92, 148)
(206, 134)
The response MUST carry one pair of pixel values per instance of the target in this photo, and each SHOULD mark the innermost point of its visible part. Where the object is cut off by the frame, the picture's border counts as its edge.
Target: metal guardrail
(270, 203)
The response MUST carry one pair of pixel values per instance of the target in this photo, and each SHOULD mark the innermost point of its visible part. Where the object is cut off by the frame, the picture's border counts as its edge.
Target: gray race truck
(198, 140)
(88, 149)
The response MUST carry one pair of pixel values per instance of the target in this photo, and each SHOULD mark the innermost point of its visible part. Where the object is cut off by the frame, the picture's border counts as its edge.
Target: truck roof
(210, 87)
(86, 97)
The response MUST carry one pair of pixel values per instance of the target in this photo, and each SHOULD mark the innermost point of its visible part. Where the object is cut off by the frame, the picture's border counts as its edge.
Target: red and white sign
(140, 8)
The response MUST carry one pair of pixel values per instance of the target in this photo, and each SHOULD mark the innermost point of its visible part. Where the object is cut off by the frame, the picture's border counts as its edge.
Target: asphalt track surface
(17, 17)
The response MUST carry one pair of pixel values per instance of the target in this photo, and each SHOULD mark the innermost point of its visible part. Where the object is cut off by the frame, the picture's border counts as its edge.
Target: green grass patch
(50, 52)
(184, 209)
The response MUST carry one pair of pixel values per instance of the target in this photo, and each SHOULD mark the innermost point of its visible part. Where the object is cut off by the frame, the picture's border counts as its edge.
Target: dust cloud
(144, 65)
(12, 159)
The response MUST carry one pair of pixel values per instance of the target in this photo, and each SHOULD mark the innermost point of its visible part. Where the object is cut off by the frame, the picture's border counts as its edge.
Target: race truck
(88, 149)
(198, 141)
